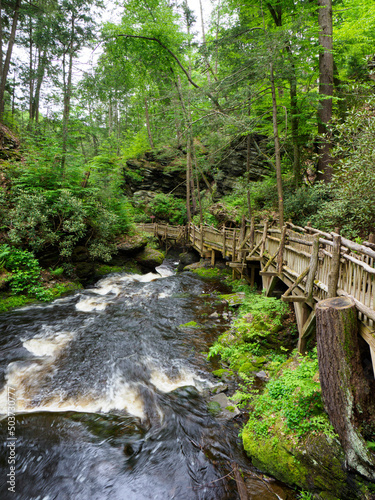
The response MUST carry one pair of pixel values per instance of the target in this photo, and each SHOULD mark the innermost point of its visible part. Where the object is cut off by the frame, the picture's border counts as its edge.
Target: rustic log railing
(314, 265)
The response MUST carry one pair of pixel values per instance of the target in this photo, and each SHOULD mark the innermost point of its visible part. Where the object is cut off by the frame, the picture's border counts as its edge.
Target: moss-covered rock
(131, 243)
(150, 258)
(234, 299)
(314, 463)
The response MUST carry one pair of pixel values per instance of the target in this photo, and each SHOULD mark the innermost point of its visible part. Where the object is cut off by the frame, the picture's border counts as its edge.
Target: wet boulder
(186, 259)
(131, 244)
(149, 258)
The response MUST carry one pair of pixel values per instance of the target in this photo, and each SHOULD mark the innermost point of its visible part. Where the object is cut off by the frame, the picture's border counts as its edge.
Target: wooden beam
(309, 326)
(296, 283)
(294, 298)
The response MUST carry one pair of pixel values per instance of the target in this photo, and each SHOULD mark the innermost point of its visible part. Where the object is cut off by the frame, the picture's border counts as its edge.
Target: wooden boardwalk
(312, 265)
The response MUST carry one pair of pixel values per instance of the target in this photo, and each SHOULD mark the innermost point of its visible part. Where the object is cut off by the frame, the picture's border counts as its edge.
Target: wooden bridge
(307, 264)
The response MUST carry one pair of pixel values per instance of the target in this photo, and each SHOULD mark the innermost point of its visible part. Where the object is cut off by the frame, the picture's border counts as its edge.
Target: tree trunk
(148, 124)
(31, 81)
(294, 122)
(1, 38)
(67, 97)
(277, 148)
(248, 141)
(42, 63)
(325, 88)
(4, 74)
(348, 396)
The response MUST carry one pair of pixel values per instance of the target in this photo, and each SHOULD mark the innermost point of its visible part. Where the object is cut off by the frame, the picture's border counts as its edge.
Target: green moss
(106, 269)
(222, 373)
(8, 302)
(191, 324)
(207, 272)
(65, 288)
(247, 367)
(214, 408)
(233, 299)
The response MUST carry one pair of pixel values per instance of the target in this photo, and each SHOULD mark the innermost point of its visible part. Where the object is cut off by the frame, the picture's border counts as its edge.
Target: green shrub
(25, 272)
(293, 398)
(167, 207)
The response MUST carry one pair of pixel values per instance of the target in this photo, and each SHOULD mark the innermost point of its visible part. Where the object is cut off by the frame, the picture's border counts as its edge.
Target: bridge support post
(305, 322)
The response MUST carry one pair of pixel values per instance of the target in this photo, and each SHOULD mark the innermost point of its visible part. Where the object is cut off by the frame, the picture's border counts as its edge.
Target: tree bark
(11, 40)
(348, 396)
(325, 89)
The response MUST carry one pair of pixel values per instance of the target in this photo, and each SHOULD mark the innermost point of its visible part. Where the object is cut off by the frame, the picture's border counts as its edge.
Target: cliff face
(165, 171)
(233, 164)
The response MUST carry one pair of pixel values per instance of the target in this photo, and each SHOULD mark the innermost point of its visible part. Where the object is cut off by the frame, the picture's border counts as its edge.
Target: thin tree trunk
(188, 170)
(277, 148)
(1, 39)
(40, 77)
(325, 89)
(31, 81)
(248, 140)
(67, 97)
(5, 71)
(294, 121)
(148, 124)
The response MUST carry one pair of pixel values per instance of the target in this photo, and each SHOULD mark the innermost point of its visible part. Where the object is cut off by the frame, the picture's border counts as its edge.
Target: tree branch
(153, 39)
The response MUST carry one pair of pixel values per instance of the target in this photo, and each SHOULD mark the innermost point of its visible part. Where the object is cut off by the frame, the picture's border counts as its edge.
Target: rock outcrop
(233, 164)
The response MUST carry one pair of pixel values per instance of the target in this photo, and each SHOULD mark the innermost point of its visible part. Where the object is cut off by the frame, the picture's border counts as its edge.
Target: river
(111, 395)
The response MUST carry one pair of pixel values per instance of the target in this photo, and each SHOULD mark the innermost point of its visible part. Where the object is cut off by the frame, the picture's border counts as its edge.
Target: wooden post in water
(348, 396)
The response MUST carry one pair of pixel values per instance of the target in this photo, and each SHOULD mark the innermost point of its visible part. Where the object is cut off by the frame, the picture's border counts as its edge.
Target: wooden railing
(313, 264)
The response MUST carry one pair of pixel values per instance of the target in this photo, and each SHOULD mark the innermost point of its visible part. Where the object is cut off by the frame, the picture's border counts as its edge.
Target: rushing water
(111, 395)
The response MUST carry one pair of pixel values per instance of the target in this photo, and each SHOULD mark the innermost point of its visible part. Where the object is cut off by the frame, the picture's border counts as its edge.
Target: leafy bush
(352, 207)
(303, 204)
(167, 207)
(62, 219)
(25, 272)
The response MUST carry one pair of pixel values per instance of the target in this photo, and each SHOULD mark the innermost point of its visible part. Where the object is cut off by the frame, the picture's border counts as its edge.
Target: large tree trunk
(325, 88)
(348, 396)
(277, 148)
(4, 74)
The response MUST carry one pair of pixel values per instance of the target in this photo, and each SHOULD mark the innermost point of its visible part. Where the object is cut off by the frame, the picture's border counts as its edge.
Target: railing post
(202, 237)
(281, 250)
(252, 233)
(313, 267)
(224, 242)
(334, 274)
(264, 237)
(234, 246)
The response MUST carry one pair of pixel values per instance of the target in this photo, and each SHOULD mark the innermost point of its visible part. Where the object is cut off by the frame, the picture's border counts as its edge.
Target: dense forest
(290, 83)
(237, 111)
